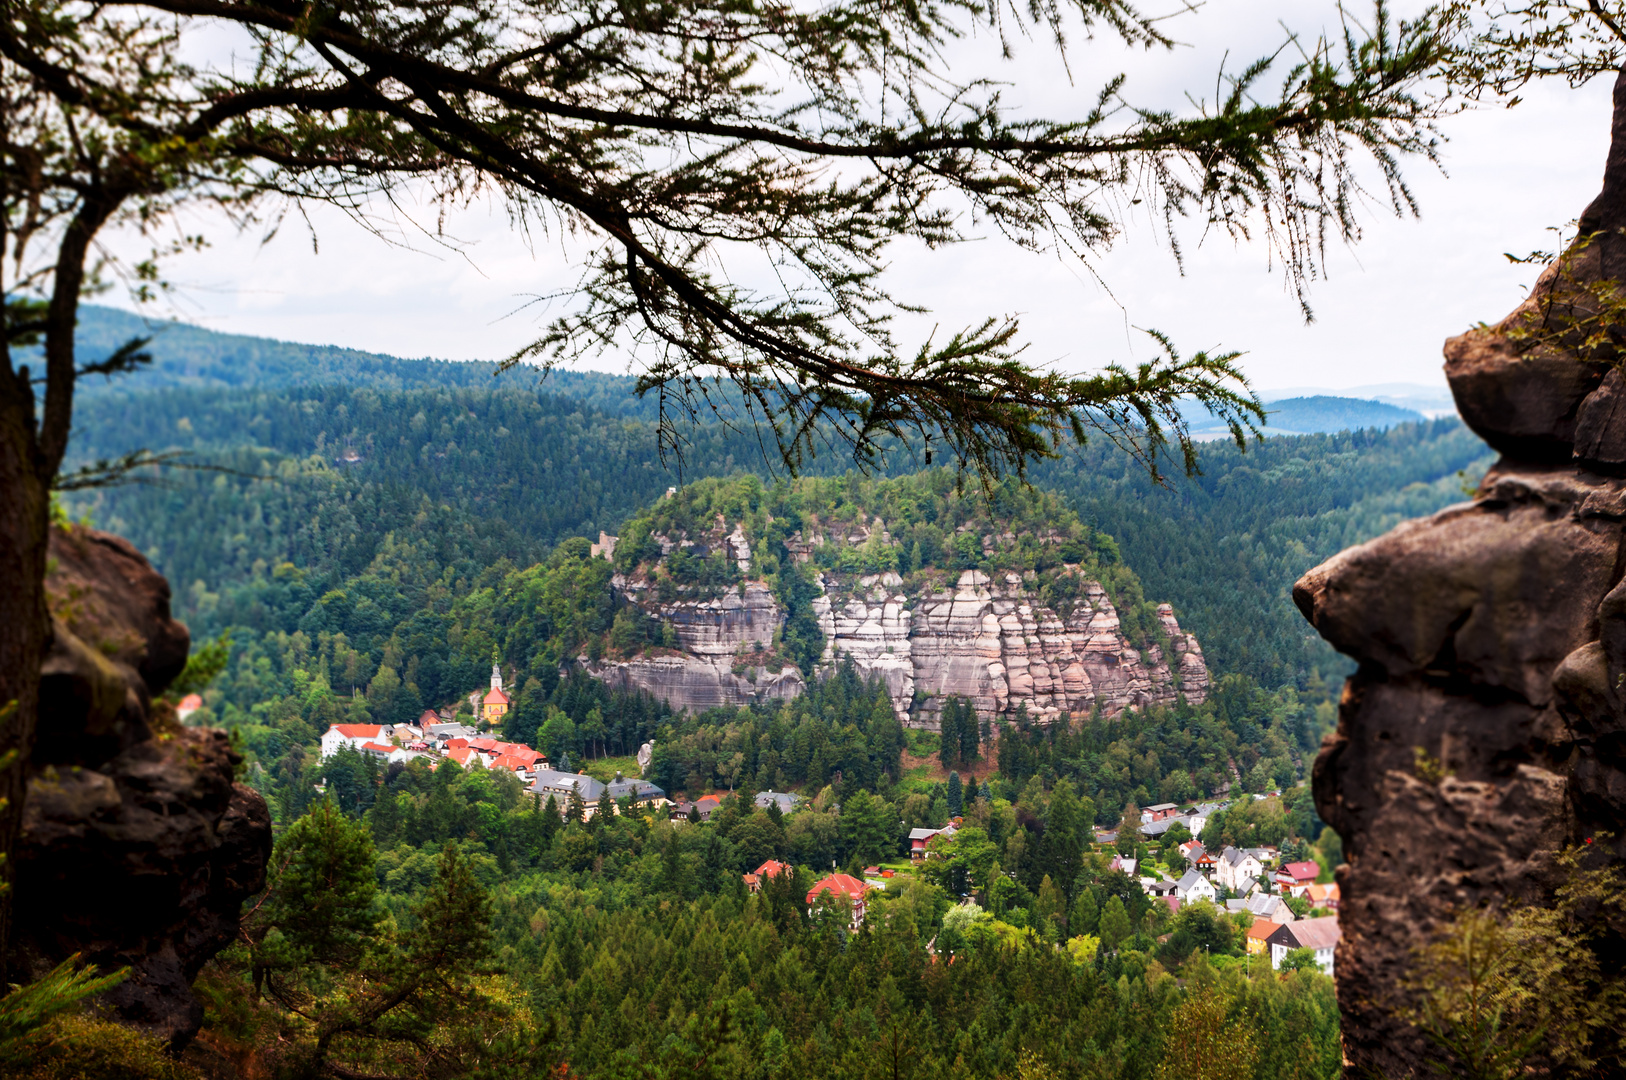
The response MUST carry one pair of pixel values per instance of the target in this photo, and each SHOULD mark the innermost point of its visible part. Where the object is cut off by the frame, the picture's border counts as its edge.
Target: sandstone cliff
(138, 848)
(935, 635)
(1483, 728)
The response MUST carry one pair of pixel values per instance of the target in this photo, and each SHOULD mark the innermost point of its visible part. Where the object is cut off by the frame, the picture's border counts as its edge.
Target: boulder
(137, 848)
(1483, 729)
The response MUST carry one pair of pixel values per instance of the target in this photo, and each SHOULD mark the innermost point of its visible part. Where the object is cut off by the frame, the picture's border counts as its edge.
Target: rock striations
(1483, 729)
(990, 643)
(138, 848)
(955, 635)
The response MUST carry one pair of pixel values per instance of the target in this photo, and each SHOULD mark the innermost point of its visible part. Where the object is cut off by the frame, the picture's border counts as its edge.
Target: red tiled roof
(510, 762)
(457, 744)
(844, 884)
(1302, 871)
(430, 716)
(771, 868)
(496, 697)
(380, 747)
(358, 731)
(189, 703)
(1262, 929)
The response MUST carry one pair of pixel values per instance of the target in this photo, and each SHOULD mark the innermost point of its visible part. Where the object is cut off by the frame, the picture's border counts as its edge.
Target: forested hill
(481, 475)
(186, 356)
(1226, 546)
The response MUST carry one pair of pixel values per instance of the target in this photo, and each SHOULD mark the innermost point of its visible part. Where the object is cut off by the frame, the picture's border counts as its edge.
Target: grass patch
(605, 768)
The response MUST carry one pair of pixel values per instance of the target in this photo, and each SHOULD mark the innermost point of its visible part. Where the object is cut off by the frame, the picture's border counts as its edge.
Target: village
(1288, 908)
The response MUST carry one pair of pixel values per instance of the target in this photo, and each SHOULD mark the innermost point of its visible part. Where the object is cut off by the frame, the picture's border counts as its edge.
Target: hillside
(1008, 603)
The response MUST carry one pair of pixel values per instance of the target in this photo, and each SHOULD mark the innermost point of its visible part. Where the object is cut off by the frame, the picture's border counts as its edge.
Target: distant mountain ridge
(193, 357)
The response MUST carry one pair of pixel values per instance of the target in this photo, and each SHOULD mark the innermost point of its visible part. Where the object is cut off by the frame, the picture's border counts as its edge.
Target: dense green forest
(478, 476)
(368, 546)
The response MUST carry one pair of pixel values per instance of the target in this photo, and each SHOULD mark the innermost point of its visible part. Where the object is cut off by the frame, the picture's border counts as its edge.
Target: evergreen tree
(1114, 923)
(949, 734)
(970, 739)
(955, 796)
(1085, 915)
(1065, 833)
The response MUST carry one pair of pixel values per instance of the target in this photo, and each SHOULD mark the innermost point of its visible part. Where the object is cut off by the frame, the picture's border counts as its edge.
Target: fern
(28, 1008)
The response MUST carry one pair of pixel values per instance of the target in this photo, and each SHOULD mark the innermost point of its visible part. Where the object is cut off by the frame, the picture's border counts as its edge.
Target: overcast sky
(1381, 317)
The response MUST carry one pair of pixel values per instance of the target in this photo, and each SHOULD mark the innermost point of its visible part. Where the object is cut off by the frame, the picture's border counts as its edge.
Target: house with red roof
(1296, 877)
(188, 705)
(770, 869)
(356, 735)
(468, 757)
(842, 887)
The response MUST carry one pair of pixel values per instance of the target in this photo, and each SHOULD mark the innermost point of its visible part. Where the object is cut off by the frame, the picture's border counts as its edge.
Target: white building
(1320, 935)
(1235, 867)
(1194, 887)
(353, 735)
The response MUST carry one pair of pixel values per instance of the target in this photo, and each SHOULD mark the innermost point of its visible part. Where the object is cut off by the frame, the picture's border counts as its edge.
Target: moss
(85, 1047)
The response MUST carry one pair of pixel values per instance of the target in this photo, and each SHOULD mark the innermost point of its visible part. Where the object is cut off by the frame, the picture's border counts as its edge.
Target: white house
(355, 735)
(1318, 934)
(1235, 867)
(1194, 887)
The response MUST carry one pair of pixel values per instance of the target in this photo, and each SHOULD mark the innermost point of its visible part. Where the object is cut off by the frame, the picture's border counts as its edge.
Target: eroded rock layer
(138, 848)
(977, 639)
(1484, 728)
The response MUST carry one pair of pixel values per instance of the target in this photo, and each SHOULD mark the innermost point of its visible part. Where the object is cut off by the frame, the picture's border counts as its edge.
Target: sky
(1509, 176)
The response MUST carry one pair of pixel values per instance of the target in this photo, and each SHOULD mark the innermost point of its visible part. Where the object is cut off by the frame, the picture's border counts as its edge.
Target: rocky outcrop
(702, 671)
(976, 639)
(1484, 727)
(138, 848)
(988, 642)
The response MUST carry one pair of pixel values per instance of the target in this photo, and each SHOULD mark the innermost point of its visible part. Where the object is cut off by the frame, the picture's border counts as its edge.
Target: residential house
(1159, 887)
(842, 886)
(639, 790)
(1323, 896)
(1194, 823)
(1107, 836)
(786, 802)
(1234, 866)
(1203, 861)
(188, 705)
(467, 756)
(920, 838)
(1121, 863)
(770, 869)
(1262, 906)
(1160, 811)
(1318, 934)
(1296, 877)
(1194, 887)
(355, 735)
(378, 750)
(561, 785)
(1259, 935)
(703, 808)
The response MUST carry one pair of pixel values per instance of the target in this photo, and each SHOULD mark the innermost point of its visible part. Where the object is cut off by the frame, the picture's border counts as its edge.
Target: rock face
(710, 634)
(976, 639)
(138, 848)
(1483, 730)
(989, 643)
